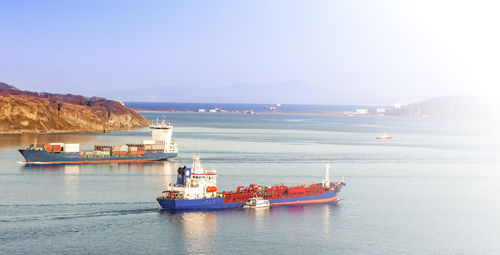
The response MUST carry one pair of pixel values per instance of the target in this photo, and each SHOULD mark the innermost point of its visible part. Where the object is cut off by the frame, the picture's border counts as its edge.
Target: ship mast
(326, 181)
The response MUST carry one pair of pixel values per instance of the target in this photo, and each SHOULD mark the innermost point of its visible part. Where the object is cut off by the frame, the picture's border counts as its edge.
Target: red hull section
(317, 201)
(242, 194)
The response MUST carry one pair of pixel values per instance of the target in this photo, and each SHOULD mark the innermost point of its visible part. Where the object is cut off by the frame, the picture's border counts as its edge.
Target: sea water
(432, 189)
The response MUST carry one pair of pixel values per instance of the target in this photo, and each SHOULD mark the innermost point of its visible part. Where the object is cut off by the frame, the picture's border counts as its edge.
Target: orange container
(211, 189)
(56, 148)
(48, 148)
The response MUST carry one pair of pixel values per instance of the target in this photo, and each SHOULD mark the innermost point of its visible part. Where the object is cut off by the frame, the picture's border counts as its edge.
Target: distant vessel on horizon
(161, 147)
(272, 107)
(385, 136)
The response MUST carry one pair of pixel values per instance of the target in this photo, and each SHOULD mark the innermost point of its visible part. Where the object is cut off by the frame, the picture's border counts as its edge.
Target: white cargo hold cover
(158, 146)
(148, 141)
(60, 144)
(72, 147)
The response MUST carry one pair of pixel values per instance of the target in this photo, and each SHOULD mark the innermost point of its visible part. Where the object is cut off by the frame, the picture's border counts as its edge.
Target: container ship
(160, 147)
(196, 189)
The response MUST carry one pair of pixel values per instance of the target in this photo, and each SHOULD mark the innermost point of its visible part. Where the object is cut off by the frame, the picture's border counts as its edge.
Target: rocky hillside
(454, 107)
(31, 112)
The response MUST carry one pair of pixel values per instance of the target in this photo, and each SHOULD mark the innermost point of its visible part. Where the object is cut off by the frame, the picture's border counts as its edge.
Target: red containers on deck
(56, 148)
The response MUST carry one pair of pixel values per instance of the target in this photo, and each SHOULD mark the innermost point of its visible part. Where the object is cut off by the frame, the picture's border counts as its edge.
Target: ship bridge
(162, 134)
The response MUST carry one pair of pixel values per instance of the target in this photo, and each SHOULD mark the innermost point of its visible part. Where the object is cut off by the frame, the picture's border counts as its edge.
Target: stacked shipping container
(104, 151)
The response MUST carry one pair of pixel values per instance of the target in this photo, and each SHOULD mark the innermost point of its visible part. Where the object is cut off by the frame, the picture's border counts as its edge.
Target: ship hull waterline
(219, 204)
(43, 157)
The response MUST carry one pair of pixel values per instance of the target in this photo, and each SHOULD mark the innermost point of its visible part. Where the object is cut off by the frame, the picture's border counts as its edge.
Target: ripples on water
(432, 189)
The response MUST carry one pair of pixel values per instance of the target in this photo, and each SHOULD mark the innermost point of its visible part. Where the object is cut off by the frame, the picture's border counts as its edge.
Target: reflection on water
(198, 230)
(296, 209)
(71, 183)
(259, 216)
(160, 167)
(164, 167)
(43, 168)
(326, 220)
(168, 169)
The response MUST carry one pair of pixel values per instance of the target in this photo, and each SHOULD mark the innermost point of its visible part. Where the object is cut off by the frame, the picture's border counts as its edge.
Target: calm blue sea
(433, 189)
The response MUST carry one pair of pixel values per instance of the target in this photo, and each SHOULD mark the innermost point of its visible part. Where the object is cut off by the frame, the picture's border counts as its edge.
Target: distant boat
(385, 136)
(272, 107)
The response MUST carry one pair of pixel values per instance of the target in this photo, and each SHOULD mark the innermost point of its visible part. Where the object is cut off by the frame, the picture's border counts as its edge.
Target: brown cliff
(31, 112)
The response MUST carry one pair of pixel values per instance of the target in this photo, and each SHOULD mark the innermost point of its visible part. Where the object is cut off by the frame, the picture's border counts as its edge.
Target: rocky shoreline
(25, 112)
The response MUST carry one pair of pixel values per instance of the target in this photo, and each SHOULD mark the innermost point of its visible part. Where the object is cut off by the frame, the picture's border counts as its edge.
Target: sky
(362, 52)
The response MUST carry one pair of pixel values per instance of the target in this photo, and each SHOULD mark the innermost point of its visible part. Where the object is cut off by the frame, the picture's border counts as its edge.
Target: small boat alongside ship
(160, 147)
(257, 202)
(196, 189)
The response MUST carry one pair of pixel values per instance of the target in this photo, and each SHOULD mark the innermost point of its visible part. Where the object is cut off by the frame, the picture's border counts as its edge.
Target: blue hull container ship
(160, 147)
(196, 189)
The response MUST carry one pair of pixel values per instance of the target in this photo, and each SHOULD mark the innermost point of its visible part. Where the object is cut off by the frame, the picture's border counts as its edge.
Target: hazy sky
(376, 52)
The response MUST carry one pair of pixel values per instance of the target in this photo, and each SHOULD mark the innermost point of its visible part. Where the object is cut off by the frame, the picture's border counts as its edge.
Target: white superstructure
(162, 135)
(192, 183)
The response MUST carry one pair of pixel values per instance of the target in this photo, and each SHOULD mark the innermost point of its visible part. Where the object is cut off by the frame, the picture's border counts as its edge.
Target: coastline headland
(25, 112)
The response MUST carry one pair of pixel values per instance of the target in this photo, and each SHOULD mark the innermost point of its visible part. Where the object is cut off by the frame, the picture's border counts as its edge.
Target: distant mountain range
(288, 92)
